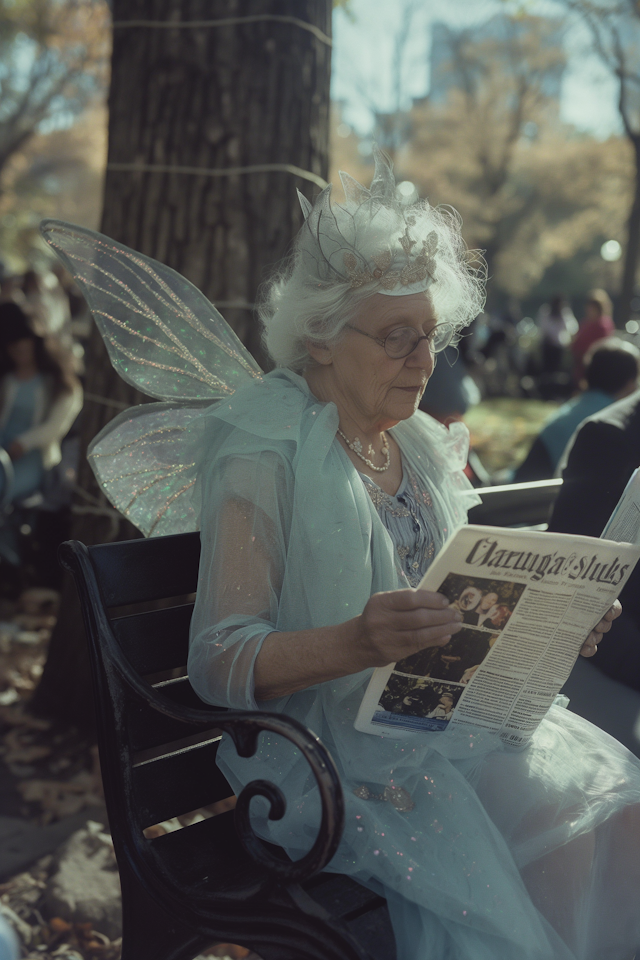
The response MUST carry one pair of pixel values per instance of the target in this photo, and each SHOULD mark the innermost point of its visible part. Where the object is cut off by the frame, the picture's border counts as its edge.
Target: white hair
(309, 300)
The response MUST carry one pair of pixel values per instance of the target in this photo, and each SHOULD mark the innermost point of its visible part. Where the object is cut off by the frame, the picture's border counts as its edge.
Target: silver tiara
(371, 239)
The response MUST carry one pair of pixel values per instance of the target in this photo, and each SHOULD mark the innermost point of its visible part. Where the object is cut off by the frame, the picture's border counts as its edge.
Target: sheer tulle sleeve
(244, 530)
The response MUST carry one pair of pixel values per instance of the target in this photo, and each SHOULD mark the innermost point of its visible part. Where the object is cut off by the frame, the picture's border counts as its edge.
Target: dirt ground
(50, 771)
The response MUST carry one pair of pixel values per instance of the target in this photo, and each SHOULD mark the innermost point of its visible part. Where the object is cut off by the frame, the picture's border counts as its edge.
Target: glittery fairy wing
(144, 460)
(166, 339)
(162, 334)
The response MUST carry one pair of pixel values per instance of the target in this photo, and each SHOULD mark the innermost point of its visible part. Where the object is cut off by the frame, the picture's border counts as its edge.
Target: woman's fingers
(414, 600)
(399, 623)
(590, 646)
(422, 617)
(614, 611)
(612, 614)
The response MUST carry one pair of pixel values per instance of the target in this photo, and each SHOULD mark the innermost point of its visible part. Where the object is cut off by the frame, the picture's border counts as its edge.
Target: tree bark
(212, 98)
(632, 252)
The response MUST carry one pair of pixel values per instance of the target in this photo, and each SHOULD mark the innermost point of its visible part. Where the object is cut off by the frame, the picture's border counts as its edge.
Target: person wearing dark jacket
(604, 454)
(612, 367)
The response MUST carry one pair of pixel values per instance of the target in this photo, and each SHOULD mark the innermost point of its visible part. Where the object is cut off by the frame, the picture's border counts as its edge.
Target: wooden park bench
(214, 881)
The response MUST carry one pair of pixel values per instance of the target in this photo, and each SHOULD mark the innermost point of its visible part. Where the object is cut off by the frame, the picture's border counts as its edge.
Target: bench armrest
(243, 726)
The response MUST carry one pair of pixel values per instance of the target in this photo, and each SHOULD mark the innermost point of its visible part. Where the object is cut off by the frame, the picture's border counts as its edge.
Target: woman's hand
(392, 626)
(590, 646)
(396, 624)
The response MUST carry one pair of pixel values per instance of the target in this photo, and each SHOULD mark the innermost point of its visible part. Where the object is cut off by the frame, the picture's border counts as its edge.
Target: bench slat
(157, 640)
(147, 727)
(178, 784)
(516, 504)
(340, 895)
(138, 571)
(207, 855)
(373, 932)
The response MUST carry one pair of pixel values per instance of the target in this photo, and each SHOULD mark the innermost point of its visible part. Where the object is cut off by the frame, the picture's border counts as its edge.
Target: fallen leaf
(61, 798)
(17, 716)
(20, 750)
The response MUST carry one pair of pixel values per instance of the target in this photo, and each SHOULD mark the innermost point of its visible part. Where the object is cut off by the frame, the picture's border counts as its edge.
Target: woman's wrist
(289, 662)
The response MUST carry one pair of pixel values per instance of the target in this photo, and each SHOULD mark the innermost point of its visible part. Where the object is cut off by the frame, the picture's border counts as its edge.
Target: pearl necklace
(356, 446)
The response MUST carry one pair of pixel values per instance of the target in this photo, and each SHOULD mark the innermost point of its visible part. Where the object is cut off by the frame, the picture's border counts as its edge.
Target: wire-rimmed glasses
(404, 340)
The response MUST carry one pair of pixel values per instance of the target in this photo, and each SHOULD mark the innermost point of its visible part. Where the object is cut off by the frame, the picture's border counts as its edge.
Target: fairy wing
(165, 338)
(162, 334)
(145, 461)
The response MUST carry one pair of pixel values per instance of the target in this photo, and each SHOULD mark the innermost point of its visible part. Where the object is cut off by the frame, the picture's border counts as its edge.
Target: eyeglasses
(404, 340)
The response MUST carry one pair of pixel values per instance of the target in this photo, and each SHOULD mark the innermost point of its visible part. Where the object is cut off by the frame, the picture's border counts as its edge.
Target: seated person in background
(557, 326)
(39, 400)
(611, 373)
(604, 454)
(450, 390)
(595, 325)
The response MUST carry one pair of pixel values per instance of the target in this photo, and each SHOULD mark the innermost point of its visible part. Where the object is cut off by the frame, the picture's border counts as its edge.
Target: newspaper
(528, 602)
(624, 522)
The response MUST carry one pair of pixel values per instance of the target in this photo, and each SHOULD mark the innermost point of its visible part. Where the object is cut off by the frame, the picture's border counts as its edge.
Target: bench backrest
(516, 504)
(156, 751)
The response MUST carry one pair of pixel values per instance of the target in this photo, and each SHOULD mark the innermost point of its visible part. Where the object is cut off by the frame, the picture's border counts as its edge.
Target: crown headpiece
(371, 239)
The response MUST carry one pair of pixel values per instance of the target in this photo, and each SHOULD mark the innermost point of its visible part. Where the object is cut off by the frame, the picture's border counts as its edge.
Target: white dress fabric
(530, 855)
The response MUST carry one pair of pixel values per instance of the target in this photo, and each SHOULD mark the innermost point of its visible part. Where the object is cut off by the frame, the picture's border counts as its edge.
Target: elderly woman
(324, 496)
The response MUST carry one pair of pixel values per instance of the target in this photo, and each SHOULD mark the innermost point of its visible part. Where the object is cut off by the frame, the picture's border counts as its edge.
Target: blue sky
(362, 55)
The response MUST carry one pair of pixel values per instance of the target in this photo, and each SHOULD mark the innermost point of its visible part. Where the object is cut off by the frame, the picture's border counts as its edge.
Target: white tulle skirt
(530, 855)
(568, 809)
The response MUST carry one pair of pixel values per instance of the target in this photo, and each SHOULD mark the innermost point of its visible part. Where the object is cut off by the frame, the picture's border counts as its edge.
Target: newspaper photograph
(528, 602)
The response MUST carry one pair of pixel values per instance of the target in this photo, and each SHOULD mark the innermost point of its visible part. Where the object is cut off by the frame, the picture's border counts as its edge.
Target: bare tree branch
(612, 26)
(65, 40)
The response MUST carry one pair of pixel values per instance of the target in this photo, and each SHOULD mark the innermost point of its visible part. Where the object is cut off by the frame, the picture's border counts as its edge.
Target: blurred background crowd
(43, 322)
(511, 112)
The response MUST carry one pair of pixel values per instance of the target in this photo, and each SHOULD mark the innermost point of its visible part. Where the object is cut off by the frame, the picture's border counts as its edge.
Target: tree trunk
(210, 97)
(628, 286)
